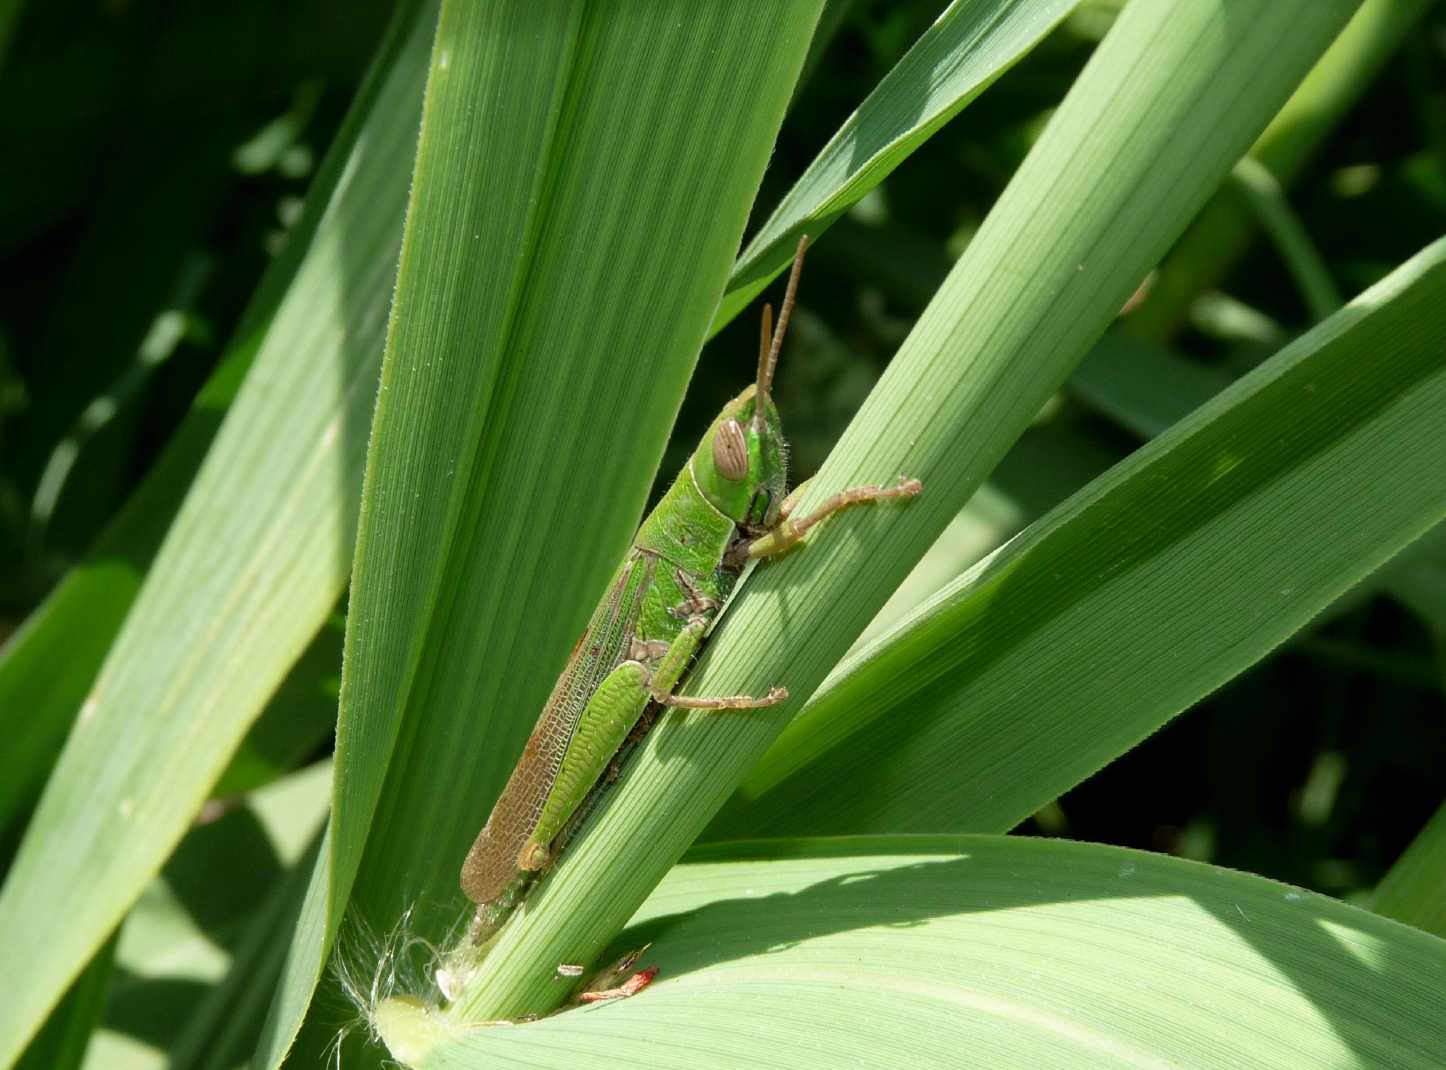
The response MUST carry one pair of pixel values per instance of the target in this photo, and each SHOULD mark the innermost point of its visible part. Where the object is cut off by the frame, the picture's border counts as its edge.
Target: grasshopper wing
(492, 862)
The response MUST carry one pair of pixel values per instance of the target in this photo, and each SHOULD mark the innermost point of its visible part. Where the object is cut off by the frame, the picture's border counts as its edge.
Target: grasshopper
(726, 508)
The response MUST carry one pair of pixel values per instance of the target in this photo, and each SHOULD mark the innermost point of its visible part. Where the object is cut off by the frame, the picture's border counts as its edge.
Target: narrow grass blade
(970, 45)
(991, 952)
(1146, 389)
(1154, 585)
(1265, 197)
(252, 566)
(1411, 891)
(1215, 241)
(1169, 101)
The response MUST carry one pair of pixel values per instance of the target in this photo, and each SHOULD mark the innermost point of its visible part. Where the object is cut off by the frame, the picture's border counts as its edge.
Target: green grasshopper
(726, 508)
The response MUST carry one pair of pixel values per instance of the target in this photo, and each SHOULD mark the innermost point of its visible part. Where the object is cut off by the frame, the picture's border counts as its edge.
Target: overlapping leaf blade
(582, 182)
(251, 567)
(970, 45)
(400, 820)
(993, 952)
(1146, 590)
(1168, 102)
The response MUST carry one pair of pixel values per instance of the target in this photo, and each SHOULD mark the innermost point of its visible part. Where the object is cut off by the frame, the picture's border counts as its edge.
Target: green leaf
(223, 1029)
(970, 45)
(1167, 103)
(1154, 585)
(1411, 890)
(1265, 197)
(1043, 468)
(66, 1039)
(548, 312)
(252, 566)
(1216, 241)
(201, 916)
(1146, 388)
(991, 952)
(298, 721)
(1142, 386)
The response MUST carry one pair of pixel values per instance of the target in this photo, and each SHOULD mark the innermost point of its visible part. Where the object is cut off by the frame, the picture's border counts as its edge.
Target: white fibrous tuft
(370, 969)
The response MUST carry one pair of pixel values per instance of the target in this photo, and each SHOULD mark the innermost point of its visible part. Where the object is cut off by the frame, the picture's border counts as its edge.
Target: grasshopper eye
(730, 450)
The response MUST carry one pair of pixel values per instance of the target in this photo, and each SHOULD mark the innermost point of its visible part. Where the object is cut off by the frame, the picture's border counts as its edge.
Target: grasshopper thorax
(741, 465)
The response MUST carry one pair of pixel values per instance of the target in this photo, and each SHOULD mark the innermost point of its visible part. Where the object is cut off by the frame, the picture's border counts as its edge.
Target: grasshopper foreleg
(789, 531)
(731, 702)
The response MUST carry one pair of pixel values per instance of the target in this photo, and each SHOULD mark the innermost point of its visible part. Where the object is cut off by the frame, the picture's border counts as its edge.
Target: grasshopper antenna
(765, 340)
(768, 360)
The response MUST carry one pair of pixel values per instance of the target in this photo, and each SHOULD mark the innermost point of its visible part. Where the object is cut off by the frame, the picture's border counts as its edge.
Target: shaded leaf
(1155, 584)
(253, 564)
(1411, 891)
(992, 952)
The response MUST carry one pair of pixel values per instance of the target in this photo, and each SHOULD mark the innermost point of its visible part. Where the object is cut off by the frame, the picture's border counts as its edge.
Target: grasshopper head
(741, 466)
